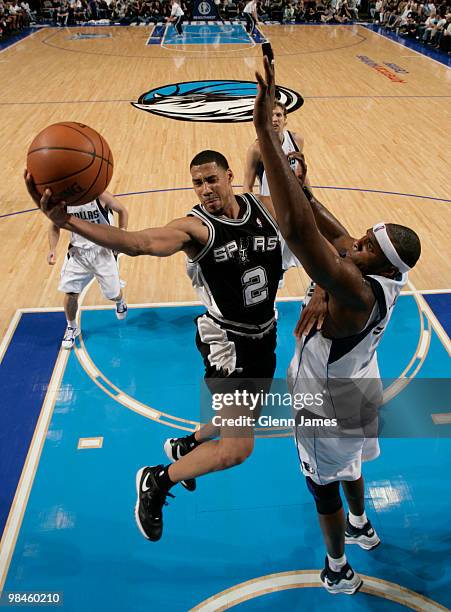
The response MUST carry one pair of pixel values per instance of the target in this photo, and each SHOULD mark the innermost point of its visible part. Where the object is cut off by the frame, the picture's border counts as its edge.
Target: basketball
(72, 160)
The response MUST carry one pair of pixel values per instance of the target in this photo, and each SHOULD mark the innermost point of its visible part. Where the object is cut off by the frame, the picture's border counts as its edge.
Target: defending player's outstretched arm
(294, 212)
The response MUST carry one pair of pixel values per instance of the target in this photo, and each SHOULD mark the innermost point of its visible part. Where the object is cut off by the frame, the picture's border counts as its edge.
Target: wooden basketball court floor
(377, 148)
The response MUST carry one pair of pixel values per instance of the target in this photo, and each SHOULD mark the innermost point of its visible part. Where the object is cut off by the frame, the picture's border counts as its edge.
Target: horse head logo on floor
(211, 101)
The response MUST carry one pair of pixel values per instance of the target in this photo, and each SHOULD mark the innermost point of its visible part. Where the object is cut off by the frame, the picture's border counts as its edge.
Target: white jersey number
(255, 283)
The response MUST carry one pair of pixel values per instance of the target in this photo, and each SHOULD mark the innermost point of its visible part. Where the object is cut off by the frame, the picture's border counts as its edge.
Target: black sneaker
(150, 500)
(345, 581)
(364, 536)
(176, 448)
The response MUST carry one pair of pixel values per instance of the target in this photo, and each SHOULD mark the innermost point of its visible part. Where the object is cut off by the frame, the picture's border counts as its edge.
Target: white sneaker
(345, 581)
(121, 310)
(69, 337)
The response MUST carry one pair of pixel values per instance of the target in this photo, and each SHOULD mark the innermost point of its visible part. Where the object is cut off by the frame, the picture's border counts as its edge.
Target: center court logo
(210, 101)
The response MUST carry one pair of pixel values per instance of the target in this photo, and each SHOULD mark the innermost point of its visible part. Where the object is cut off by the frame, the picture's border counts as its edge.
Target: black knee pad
(327, 497)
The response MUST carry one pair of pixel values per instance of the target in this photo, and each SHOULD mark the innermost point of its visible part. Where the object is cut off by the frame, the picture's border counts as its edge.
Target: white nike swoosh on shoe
(144, 486)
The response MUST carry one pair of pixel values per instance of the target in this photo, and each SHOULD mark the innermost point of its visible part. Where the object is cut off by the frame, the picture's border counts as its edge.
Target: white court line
(404, 47)
(15, 517)
(42, 309)
(424, 344)
(295, 298)
(257, 587)
(151, 34)
(9, 333)
(441, 418)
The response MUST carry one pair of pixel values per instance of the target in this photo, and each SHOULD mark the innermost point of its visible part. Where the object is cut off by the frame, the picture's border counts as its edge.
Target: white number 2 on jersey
(255, 283)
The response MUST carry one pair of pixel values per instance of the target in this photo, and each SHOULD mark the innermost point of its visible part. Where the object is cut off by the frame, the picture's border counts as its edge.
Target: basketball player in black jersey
(234, 260)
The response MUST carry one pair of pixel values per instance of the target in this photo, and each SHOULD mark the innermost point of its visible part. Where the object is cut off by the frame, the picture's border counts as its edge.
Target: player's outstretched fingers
(261, 82)
(31, 188)
(305, 323)
(319, 325)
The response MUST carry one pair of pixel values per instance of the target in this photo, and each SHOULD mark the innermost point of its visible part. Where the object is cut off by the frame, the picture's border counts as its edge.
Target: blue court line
(130, 193)
(25, 372)
(46, 102)
(70, 102)
(351, 97)
(397, 193)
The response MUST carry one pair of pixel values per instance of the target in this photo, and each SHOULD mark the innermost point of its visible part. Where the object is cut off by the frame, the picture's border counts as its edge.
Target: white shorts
(327, 459)
(289, 260)
(82, 265)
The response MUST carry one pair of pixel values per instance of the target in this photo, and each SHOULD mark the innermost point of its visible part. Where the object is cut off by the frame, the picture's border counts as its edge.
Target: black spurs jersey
(237, 273)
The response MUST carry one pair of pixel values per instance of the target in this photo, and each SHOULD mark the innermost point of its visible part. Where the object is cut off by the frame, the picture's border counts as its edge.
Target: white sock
(336, 564)
(72, 324)
(358, 521)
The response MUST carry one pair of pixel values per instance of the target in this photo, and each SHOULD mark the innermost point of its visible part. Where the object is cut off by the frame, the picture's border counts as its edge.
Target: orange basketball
(72, 160)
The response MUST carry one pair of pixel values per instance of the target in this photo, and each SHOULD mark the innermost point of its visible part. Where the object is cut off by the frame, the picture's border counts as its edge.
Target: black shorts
(231, 356)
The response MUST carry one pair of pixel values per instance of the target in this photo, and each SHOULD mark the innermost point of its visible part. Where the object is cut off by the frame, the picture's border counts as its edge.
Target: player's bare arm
(327, 223)
(109, 200)
(187, 234)
(253, 158)
(338, 276)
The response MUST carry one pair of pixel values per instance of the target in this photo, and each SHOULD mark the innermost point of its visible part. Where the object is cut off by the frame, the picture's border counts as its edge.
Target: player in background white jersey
(251, 16)
(292, 143)
(176, 17)
(86, 260)
(362, 278)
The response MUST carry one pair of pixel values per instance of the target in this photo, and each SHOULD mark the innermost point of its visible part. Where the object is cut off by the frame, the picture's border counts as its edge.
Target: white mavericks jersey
(288, 146)
(250, 8)
(317, 359)
(94, 212)
(176, 11)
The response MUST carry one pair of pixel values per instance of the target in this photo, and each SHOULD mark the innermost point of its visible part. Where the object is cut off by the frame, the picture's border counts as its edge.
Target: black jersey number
(255, 284)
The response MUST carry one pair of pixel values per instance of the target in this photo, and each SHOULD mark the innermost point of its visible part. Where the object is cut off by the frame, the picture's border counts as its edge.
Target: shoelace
(151, 498)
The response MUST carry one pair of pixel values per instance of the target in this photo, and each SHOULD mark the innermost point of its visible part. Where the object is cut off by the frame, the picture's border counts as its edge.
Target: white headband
(383, 240)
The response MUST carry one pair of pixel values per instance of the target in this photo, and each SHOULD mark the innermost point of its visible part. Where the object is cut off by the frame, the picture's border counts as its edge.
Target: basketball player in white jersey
(176, 17)
(250, 14)
(362, 278)
(86, 260)
(292, 143)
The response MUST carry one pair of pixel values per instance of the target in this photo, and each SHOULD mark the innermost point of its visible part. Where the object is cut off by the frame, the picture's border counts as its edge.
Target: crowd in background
(428, 23)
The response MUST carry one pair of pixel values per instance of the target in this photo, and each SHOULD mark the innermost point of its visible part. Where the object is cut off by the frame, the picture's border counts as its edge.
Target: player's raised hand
(301, 166)
(56, 212)
(264, 101)
(313, 314)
